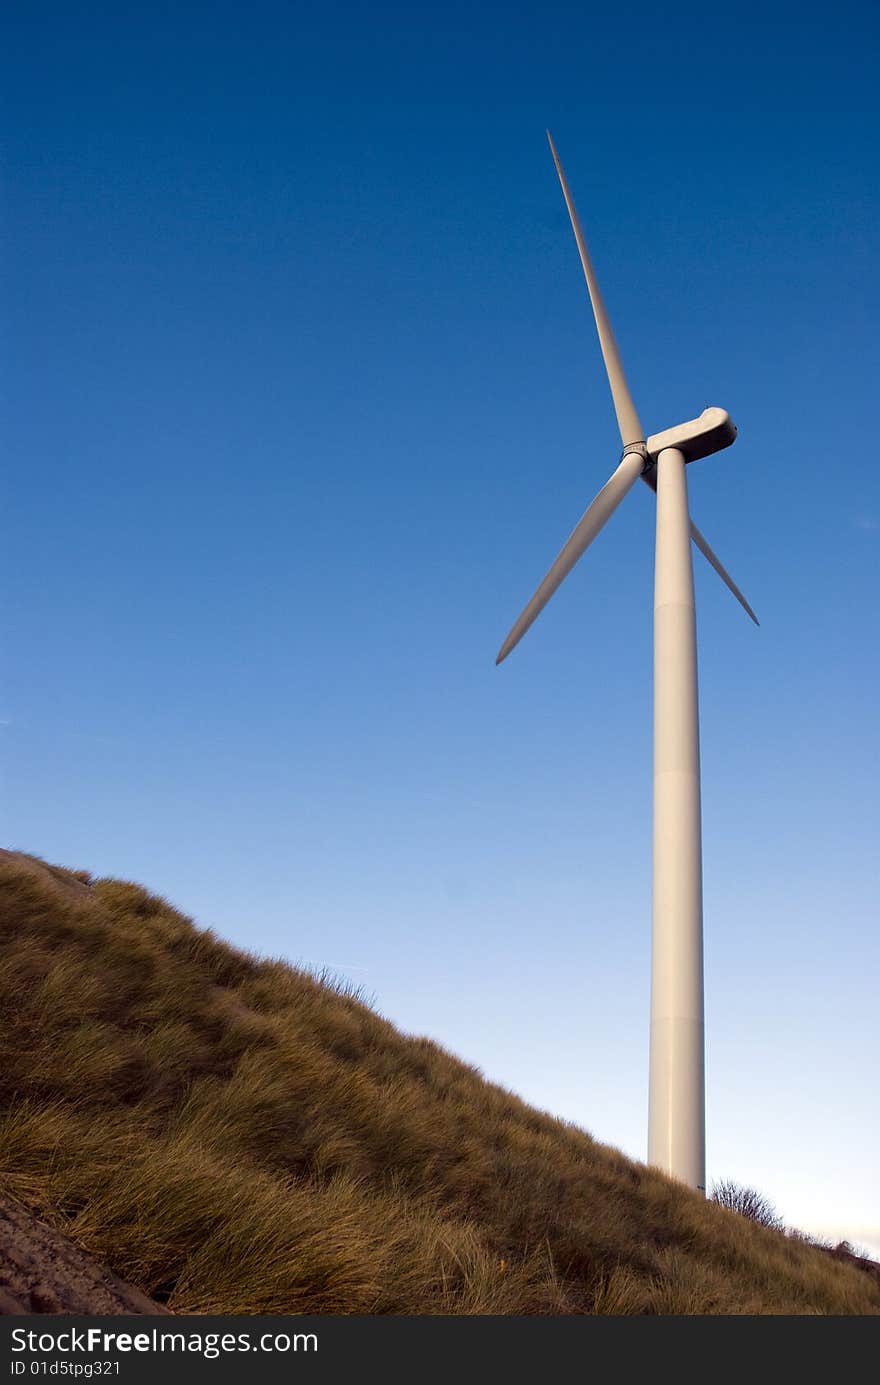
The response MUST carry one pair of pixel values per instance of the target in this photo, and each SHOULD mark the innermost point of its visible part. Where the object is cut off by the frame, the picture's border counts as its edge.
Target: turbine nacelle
(700, 437)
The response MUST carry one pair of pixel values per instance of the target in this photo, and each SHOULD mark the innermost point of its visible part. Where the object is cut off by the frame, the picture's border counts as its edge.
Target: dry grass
(233, 1135)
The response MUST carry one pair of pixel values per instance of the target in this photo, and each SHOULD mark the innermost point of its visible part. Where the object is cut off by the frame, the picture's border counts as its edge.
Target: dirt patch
(43, 1271)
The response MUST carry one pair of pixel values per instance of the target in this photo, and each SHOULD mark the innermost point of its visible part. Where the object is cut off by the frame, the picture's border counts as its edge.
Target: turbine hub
(641, 448)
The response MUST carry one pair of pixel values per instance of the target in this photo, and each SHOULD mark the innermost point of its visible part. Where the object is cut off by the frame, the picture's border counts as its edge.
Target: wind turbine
(676, 1110)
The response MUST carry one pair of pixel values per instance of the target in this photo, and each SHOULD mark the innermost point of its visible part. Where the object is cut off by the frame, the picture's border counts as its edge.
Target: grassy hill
(233, 1135)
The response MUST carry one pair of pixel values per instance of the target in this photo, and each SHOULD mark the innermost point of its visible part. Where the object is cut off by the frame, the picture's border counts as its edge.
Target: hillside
(233, 1135)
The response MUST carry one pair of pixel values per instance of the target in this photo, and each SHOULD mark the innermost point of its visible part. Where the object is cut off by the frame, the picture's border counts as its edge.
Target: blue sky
(302, 397)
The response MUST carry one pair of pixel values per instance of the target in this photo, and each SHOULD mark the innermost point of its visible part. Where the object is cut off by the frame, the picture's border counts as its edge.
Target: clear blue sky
(303, 395)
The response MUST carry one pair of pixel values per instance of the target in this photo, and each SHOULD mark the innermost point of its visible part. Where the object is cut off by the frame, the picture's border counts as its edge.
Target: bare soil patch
(43, 1271)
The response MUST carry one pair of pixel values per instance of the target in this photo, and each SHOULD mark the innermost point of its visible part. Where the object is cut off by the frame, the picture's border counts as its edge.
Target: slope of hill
(233, 1135)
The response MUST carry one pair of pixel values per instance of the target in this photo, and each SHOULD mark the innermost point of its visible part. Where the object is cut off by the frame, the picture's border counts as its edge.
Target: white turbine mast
(676, 1110)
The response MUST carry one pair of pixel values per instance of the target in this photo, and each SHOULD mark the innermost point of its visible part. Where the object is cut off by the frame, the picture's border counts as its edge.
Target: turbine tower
(676, 1110)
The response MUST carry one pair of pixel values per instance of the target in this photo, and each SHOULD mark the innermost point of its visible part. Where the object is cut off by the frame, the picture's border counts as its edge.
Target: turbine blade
(627, 417)
(650, 478)
(586, 529)
(721, 570)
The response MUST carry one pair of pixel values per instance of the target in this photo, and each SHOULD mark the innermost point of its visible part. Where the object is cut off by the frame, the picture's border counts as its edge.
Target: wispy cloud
(331, 966)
